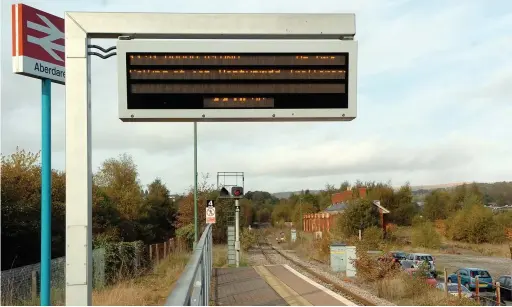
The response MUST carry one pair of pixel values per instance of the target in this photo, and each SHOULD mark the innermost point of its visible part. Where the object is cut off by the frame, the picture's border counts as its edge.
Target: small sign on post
(210, 212)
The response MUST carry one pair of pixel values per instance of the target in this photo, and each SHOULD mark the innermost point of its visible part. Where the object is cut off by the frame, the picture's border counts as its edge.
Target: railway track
(270, 253)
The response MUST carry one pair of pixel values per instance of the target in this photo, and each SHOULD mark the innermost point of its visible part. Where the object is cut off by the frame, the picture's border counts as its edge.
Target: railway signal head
(224, 192)
(237, 191)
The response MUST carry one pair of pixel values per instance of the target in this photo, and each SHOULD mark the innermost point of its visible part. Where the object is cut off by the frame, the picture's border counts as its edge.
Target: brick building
(323, 221)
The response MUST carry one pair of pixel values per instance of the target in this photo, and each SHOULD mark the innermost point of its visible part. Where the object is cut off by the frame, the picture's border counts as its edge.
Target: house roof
(336, 207)
(337, 198)
(377, 203)
(343, 205)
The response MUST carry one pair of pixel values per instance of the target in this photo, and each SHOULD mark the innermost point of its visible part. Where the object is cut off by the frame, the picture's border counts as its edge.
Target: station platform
(270, 285)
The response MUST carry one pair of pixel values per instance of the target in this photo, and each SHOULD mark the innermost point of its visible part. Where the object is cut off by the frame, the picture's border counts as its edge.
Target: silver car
(415, 260)
(453, 289)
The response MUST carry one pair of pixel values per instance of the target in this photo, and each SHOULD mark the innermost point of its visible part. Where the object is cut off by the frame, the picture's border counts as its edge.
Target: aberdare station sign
(38, 44)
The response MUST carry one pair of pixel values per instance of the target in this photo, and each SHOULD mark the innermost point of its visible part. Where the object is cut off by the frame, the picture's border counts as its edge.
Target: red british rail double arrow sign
(38, 43)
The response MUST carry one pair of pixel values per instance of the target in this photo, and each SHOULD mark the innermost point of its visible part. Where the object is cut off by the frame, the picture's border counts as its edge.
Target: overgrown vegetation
(124, 260)
(123, 210)
(425, 235)
(477, 224)
(148, 290)
(406, 290)
(248, 238)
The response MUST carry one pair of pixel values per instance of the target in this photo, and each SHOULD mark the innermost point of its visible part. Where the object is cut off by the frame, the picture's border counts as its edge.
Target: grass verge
(151, 289)
(220, 256)
(58, 298)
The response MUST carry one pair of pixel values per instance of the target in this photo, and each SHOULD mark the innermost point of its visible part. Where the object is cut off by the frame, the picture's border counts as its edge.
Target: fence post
(157, 254)
(165, 250)
(459, 289)
(446, 282)
(151, 253)
(34, 286)
(477, 290)
(498, 294)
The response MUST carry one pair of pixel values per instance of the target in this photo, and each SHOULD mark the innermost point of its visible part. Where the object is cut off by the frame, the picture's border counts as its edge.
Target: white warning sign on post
(210, 212)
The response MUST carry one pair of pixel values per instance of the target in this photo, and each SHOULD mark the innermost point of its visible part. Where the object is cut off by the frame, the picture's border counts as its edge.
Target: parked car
(429, 277)
(395, 257)
(415, 260)
(505, 287)
(453, 289)
(467, 278)
(399, 256)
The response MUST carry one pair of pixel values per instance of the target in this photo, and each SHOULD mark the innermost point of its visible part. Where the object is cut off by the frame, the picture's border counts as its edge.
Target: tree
(359, 212)
(306, 208)
(403, 209)
(425, 235)
(119, 180)
(344, 185)
(21, 209)
(436, 205)
(161, 212)
(122, 210)
(263, 215)
(475, 224)
(281, 213)
(246, 212)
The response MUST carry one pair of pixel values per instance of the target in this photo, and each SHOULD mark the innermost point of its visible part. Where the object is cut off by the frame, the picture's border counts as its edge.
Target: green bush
(186, 234)
(357, 212)
(248, 238)
(123, 259)
(424, 234)
(372, 237)
(368, 268)
(476, 224)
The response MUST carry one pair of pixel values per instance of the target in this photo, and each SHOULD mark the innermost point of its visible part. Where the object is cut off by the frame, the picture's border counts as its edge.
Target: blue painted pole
(46, 191)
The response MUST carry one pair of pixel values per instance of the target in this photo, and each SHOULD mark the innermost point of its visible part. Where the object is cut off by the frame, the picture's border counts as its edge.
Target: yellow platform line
(291, 297)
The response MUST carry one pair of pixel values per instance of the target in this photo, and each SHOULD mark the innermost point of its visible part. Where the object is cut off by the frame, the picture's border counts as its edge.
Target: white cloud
(429, 111)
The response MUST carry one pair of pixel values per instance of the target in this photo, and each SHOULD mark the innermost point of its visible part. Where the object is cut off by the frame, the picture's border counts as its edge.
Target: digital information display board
(236, 81)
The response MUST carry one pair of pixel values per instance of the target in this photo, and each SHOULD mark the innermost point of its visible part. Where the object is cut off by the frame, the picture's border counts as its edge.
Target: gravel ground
(496, 266)
(256, 257)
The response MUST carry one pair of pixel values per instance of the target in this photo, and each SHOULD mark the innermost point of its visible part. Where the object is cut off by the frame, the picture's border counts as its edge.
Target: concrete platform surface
(243, 287)
(270, 285)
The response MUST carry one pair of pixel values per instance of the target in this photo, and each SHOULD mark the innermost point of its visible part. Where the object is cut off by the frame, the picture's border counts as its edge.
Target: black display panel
(237, 81)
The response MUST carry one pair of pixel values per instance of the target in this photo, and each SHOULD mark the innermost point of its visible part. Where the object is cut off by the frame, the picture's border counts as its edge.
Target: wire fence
(22, 285)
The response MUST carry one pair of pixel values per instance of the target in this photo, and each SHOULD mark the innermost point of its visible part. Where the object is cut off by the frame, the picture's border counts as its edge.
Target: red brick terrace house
(324, 220)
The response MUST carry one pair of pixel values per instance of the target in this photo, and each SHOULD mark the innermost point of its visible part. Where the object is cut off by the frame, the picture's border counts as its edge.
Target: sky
(434, 103)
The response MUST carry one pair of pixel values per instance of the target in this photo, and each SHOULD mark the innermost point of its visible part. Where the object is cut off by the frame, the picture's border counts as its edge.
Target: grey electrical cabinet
(338, 257)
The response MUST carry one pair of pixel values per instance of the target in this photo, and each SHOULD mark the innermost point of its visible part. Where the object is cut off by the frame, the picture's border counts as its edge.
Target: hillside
(281, 195)
(418, 189)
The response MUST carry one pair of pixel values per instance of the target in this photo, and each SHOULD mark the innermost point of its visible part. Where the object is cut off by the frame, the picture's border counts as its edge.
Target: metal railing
(193, 286)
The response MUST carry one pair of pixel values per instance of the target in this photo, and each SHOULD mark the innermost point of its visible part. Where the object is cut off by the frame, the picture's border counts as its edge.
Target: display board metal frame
(219, 46)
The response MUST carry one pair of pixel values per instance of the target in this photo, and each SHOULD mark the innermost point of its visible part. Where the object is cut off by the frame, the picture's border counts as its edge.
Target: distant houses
(494, 207)
(324, 220)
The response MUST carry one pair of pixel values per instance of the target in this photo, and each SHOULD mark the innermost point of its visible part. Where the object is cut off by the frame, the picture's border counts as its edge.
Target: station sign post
(38, 52)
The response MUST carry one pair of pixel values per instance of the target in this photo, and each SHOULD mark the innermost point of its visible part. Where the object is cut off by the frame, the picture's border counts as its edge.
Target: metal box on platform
(338, 257)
